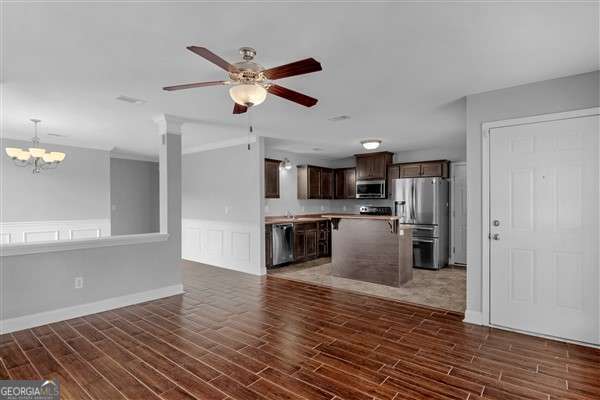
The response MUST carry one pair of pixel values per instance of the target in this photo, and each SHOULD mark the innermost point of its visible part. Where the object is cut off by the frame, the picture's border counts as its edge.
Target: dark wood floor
(243, 337)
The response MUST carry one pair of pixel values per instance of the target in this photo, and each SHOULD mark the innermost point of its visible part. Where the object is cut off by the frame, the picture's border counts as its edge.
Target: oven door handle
(423, 240)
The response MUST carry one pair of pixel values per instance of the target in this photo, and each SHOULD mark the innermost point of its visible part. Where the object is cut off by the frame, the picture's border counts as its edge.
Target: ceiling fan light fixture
(371, 144)
(248, 94)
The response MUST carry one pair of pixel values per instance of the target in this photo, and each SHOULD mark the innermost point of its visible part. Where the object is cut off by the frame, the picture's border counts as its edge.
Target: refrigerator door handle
(413, 200)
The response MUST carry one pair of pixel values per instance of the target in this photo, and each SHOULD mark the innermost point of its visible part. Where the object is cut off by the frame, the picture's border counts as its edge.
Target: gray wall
(134, 196)
(557, 95)
(221, 184)
(77, 189)
(43, 282)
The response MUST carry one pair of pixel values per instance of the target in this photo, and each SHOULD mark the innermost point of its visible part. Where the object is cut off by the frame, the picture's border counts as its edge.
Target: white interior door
(544, 186)
(458, 254)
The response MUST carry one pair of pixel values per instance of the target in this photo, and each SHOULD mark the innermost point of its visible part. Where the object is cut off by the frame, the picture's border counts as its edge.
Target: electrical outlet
(79, 282)
(345, 208)
(227, 209)
(322, 208)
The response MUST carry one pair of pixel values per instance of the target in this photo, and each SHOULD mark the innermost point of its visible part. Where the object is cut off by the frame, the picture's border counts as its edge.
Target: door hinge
(453, 250)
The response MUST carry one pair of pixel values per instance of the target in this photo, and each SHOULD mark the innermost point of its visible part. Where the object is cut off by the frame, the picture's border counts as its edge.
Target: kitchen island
(371, 248)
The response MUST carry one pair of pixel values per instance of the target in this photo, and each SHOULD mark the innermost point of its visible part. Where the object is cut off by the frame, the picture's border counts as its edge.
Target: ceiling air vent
(131, 100)
(339, 118)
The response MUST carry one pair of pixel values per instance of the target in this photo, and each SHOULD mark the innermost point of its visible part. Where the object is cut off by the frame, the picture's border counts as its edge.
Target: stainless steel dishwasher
(283, 243)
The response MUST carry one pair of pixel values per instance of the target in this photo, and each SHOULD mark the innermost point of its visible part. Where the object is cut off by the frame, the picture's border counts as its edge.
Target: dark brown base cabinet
(305, 241)
(311, 240)
(324, 246)
(269, 245)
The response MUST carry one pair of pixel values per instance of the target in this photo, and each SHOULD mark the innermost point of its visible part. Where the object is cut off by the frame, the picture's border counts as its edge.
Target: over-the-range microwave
(370, 189)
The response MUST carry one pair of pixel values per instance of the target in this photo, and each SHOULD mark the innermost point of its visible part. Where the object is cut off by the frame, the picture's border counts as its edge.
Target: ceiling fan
(250, 81)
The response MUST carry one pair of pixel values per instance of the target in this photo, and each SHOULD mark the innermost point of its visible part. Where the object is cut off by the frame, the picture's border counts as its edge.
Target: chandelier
(35, 156)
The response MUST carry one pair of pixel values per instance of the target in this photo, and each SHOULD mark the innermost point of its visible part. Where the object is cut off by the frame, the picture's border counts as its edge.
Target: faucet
(289, 214)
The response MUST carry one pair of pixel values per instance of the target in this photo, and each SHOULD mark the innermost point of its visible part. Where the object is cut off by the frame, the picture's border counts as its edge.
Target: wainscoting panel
(47, 231)
(223, 244)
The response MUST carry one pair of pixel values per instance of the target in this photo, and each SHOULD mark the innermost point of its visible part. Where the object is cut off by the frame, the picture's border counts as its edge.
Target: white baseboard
(474, 317)
(61, 314)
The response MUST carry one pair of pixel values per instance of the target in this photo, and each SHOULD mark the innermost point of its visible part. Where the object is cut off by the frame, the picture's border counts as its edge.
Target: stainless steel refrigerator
(423, 202)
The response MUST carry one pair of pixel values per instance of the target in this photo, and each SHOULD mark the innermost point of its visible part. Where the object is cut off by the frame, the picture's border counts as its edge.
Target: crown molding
(132, 156)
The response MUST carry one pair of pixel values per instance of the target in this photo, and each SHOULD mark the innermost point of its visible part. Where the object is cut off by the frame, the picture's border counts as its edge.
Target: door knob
(496, 222)
(496, 236)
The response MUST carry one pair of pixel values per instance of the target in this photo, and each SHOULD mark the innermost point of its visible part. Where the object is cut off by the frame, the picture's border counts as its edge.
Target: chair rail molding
(41, 231)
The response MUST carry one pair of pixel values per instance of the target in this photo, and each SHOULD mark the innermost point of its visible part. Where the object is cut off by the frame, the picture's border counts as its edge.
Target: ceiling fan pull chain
(250, 128)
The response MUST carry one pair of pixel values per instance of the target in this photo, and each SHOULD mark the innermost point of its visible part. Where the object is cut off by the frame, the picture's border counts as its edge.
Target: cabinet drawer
(304, 226)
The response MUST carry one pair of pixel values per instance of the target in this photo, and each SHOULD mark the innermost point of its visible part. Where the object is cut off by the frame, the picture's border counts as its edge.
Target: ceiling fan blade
(194, 85)
(291, 95)
(239, 109)
(296, 68)
(213, 58)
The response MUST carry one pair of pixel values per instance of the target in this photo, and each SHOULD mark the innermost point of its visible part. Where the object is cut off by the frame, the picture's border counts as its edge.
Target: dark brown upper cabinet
(372, 165)
(309, 182)
(345, 183)
(327, 183)
(272, 178)
(438, 168)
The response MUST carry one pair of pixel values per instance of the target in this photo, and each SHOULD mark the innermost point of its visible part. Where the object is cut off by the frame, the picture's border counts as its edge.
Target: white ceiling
(401, 71)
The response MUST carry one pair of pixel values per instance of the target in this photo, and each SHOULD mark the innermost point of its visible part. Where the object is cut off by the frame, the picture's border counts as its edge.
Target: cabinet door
(410, 171)
(311, 243)
(350, 183)
(432, 169)
(393, 173)
(363, 168)
(340, 184)
(378, 166)
(299, 244)
(271, 179)
(326, 183)
(314, 182)
(269, 246)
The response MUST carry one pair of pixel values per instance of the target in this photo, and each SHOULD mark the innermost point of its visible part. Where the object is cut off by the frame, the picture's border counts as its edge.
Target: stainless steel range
(423, 202)
(375, 210)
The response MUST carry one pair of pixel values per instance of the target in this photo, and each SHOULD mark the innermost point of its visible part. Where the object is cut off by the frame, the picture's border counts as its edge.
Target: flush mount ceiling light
(371, 144)
(286, 164)
(35, 156)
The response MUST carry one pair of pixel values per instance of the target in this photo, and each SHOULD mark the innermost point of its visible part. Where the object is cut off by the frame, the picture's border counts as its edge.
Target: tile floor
(444, 289)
